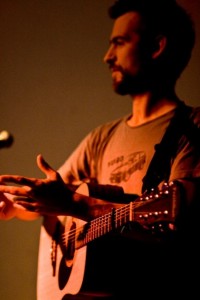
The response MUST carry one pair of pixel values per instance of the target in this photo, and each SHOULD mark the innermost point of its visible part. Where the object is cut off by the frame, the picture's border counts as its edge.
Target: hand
(45, 196)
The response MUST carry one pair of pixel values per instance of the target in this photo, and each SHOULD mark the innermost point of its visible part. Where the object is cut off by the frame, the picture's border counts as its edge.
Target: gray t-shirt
(117, 154)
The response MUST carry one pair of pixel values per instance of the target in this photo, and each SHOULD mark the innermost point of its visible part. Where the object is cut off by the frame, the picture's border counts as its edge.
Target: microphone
(6, 139)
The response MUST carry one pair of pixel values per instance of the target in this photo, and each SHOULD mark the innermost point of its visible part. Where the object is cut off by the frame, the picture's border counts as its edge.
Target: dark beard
(131, 85)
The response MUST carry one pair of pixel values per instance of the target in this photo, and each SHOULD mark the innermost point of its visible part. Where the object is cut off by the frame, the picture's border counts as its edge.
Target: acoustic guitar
(65, 240)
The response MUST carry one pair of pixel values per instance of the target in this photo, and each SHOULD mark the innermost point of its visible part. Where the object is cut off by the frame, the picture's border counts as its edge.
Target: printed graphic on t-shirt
(126, 166)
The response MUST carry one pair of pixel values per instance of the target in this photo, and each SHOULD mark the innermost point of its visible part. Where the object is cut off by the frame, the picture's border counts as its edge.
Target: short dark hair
(168, 18)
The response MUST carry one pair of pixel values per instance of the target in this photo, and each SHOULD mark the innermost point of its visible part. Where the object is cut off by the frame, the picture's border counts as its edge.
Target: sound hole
(66, 262)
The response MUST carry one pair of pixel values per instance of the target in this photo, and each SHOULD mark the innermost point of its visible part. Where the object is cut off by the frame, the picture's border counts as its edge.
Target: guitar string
(105, 221)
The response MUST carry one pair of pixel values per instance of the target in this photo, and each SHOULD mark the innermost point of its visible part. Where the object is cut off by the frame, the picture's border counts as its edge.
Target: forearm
(88, 208)
(93, 201)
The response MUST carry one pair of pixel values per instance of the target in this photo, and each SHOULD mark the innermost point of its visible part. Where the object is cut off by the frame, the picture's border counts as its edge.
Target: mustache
(114, 67)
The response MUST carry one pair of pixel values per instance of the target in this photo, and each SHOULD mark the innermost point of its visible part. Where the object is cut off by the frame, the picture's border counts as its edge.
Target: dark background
(54, 88)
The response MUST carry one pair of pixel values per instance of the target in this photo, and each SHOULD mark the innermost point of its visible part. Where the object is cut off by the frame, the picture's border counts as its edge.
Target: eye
(119, 42)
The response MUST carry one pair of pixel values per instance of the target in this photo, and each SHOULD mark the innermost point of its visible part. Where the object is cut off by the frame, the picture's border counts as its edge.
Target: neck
(147, 107)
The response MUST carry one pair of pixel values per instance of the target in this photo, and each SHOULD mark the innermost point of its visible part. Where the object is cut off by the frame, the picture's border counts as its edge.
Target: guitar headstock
(158, 209)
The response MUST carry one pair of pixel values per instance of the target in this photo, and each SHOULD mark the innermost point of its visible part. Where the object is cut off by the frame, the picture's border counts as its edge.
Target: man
(132, 249)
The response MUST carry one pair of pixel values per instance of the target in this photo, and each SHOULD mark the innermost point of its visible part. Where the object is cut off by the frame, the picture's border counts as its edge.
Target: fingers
(17, 179)
(30, 205)
(2, 209)
(27, 205)
(19, 191)
(2, 205)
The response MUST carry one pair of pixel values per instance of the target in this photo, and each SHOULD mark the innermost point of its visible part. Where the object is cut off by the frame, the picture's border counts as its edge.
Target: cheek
(132, 64)
(131, 60)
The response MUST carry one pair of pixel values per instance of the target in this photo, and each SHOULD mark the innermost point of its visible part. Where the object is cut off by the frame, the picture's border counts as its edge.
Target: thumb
(43, 165)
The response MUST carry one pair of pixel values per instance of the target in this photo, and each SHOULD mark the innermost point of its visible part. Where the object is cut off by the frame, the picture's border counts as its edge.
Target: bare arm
(49, 196)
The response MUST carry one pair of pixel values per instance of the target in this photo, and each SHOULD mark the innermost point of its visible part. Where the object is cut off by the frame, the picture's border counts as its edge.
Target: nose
(109, 56)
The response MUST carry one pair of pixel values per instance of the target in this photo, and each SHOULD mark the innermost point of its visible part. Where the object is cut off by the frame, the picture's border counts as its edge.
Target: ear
(159, 46)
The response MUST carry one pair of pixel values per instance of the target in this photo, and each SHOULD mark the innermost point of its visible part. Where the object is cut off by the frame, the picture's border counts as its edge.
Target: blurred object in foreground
(6, 139)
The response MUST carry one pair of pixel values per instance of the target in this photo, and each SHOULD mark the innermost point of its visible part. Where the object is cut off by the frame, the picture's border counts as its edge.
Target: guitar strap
(159, 167)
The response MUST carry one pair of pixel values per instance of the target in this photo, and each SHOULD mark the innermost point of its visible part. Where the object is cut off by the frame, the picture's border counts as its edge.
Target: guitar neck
(104, 224)
(157, 206)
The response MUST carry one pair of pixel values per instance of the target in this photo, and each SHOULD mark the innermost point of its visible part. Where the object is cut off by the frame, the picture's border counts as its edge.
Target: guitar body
(76, 257)
(62, 269)
(65, 275)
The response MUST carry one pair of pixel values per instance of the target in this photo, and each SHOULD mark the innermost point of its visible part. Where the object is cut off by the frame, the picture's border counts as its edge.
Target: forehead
(128, 23)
